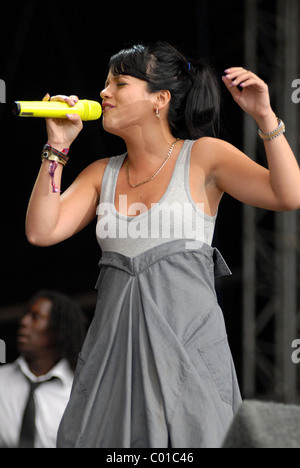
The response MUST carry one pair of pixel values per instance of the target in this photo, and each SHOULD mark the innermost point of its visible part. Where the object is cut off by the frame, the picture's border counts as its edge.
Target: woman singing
(156, 369)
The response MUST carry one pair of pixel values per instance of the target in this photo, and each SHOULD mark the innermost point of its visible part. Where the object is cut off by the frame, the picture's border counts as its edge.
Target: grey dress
(156, 369)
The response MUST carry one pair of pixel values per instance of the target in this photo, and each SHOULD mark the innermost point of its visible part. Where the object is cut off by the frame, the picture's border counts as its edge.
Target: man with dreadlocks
(35, 389)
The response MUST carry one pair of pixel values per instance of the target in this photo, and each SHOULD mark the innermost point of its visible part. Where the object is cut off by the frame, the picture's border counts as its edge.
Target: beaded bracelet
(280, 130)
(55, 157)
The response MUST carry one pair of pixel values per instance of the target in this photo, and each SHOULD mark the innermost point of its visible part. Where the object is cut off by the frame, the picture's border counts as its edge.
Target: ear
(162, 99)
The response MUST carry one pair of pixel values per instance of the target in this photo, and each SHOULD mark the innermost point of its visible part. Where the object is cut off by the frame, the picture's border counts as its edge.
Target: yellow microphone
(87, 110)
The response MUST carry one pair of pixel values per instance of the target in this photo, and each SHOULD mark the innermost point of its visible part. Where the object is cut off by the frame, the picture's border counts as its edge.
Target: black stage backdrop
(64, 47)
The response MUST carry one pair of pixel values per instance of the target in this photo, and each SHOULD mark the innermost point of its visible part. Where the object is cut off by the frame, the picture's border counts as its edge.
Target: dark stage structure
(64, 47)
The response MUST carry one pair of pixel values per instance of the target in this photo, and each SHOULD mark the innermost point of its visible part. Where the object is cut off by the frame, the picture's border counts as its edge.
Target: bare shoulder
(96, 167)
(214, 156)
(213, 149)
(93, 174)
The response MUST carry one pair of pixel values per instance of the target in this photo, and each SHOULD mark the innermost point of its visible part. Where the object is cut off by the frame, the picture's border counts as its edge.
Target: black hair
(67, 323)
(195, 94)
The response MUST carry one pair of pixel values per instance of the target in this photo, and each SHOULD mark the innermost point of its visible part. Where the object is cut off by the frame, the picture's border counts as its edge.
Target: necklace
(156, 173)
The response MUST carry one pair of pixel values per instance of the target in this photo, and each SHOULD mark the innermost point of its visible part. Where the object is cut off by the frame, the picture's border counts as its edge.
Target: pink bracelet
(55, 157)
(52, 169)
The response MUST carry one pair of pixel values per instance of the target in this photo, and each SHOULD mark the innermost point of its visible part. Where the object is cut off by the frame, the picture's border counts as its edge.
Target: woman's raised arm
(52, 217)
(278, 188)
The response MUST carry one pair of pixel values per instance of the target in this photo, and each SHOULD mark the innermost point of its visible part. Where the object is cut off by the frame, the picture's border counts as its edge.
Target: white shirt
(51, 399)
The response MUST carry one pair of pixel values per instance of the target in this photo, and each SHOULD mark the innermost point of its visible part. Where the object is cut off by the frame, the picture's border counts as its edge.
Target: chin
(112, 129)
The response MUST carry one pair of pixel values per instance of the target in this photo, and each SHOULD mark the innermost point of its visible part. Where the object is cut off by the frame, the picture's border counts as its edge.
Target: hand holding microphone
(62, 129)
(64, 116)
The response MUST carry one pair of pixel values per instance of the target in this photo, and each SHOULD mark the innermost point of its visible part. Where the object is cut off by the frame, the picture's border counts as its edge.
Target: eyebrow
(114, 77)
(108, 80)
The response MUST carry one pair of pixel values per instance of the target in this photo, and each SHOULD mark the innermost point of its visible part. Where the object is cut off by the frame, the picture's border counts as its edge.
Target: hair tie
(189, 66)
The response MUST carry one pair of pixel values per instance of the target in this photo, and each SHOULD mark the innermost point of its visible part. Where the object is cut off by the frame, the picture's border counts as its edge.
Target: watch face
(45, 154)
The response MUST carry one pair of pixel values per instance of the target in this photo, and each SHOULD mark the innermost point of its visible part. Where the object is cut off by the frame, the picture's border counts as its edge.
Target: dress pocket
(217, 358)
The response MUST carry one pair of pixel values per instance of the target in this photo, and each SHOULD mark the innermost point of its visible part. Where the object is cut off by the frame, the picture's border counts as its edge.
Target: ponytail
(202, 109)
(195, 95)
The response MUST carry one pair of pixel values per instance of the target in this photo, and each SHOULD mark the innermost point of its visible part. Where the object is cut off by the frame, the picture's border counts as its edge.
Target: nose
(25, 320)
(105, 93)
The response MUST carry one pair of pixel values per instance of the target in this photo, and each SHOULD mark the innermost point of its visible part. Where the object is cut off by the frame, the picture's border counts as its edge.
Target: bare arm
(51, 217)
(276, 189)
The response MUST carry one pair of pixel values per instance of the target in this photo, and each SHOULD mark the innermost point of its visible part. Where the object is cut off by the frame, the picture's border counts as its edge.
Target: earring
(157, 114)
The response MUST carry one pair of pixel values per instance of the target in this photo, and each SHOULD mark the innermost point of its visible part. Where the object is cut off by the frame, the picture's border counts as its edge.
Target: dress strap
(110, 177)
